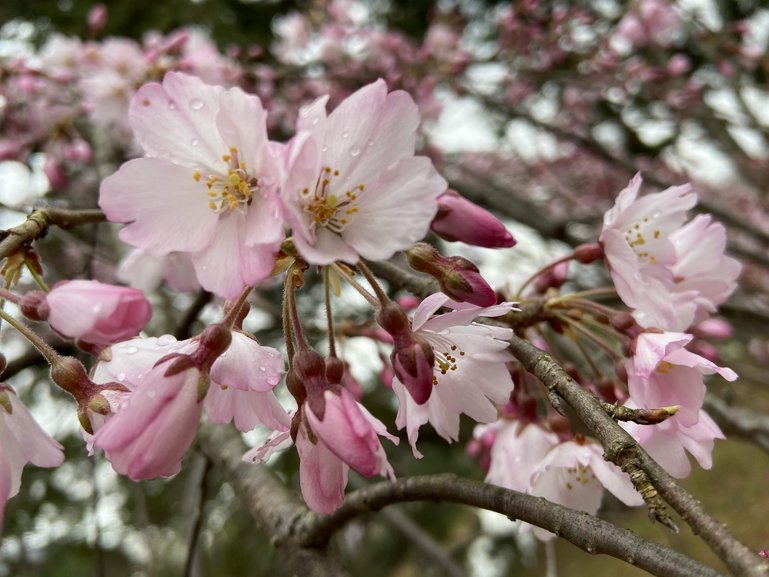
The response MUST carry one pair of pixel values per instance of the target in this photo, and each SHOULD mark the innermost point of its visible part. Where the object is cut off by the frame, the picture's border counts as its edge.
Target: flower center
(233, 191)
(445, 360)
(637, 240)
(328, 209)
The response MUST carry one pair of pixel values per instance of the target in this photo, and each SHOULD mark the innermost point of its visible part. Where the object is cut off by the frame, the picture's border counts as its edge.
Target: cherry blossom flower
(22, 441)
(469, 376)
(322, 474)
(673, 274)
(208, 185)
(354, 187)
(89, 311)
(351, 433)
(240, 389)
(517, 451)
(575, 474)
(663, 373)
(667, 442)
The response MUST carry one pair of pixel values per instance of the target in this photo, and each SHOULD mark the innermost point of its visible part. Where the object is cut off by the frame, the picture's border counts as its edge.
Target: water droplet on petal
(262, 369)
(324, 149)
(121, 377)
(131, 351)
(196, 104)
(194, 142)
(166, 340)
(370, 143)
(171, 105)
(152, 393)
(354, 151)
(656, 214)
(140, 376)
(346, 134)
(314, 121)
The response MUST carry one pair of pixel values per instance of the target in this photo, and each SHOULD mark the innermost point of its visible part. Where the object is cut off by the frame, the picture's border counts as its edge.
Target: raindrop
(121, 377)
(165, 340)
(314, 121)
(194, 142)
(140, 376)
(324, 149)
(131, 351)
(370, 143)
(224, 354)
(346, 134)
(656, 214)
(152, 393)
(262, 369)
(171, 105)
(196, 104)
(354, 151)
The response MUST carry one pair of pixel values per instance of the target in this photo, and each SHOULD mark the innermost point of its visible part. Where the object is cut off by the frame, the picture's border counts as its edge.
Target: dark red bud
(588, 253)
(334, 370)
(34, 306)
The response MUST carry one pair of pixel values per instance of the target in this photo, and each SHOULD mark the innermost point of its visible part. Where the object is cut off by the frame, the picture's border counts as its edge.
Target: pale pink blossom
(575, 474)
(22, 441)
(517, 451)
(149, 437)
(95, 313)
(667, 442)
(208, 185)
(469, 375)
(351, 433)
(663, 373)
(322, 474)
(354, 187)
(673, 274)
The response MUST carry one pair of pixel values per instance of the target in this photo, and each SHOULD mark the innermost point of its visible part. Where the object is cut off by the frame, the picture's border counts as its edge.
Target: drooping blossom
(354, 187)
(668, 442)
(89, 311)
(169, 406)
(517, 451)
(672, 274)
(469, 375)
(663, 373)
(22, 441)
(208, 185)
(575, 474)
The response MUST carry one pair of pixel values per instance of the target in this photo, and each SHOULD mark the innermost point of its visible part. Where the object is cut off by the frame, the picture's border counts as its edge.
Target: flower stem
(45, 349)
(36, 277)
(381, 295)
(356, 285)
(329, 313)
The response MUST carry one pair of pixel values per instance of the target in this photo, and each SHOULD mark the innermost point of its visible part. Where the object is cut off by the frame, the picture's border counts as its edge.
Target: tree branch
(587, 532)
(37, 224)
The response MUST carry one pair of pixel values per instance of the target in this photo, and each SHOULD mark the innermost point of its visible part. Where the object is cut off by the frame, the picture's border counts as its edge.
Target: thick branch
(622, 450)
(275, 508)
(585, 531)
(37, 223)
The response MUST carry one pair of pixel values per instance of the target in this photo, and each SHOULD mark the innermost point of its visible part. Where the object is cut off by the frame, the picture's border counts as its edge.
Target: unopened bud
(413, 365)
(458, 219)
(69, 374)
(97, 19)
(459, 278)
(334, 370)
(392, 319)
(214, 341)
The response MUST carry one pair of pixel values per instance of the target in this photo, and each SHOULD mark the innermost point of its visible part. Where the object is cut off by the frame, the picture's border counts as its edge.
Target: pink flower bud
(458, 277)
(96, 313)
(97, 19)
(458, 219)
(349, 433)
(413, 365)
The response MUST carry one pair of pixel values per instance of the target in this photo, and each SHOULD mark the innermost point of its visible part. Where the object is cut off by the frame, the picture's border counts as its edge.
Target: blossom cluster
(214, 202)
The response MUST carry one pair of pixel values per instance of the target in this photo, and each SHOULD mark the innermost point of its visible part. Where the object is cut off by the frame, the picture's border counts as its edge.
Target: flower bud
(588, 253)
(34, 306)
(458, 219)
(413, 365)
(97, 19)
(459, 278)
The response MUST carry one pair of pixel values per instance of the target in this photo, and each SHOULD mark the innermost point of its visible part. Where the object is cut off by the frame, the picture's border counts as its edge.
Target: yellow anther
(226, 157)
(196, 176)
